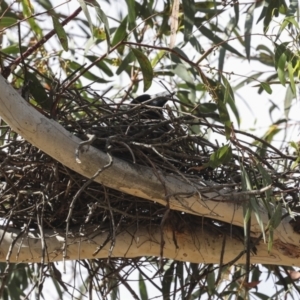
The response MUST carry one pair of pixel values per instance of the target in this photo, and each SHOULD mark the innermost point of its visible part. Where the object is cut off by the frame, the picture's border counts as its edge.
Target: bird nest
(171, 138)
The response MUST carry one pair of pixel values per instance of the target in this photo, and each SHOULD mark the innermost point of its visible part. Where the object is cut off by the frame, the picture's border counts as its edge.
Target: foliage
(96, 58)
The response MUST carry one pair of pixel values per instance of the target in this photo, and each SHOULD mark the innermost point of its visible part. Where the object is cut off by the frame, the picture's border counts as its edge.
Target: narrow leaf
(189, 17)
(229, 98)
(211, 281)
(289, 96)
(62, 36)
(277, 216)
(256, 209)
(167, 280)
(101, 65)
(224, 117)
(131, 13)
(13, 49)
(195, 43)
(28, 11)
(102, 16)
(218, 41)
(222, 156)
(7, 21)
(248, 30)
(281, 68)
(46, 4)
(236, 8)
(145, 67)
(293, 8)
(120, 33)
(88, 75)
(142, 288)
(38, 91)
(267, 180)
(291, 77)
(182, 72)
(87, 14)
(125, 62)
(266, 87)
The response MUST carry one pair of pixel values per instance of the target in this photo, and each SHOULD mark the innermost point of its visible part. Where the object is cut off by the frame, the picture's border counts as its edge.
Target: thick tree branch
(198, 246)
(53, 139)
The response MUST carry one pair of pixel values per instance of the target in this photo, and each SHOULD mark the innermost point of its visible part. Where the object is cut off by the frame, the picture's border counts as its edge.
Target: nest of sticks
(172, 139)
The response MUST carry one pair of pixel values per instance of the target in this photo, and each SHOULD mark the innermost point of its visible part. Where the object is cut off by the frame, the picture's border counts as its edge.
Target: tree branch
(198, 246)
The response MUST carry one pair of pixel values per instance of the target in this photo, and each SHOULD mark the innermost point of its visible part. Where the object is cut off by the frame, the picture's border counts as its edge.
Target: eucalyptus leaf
(145, 67)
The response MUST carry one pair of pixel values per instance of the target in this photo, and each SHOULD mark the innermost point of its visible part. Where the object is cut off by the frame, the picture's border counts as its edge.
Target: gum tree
(122, 187)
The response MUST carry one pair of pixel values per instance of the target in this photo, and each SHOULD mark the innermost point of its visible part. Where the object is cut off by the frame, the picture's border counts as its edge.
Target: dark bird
(148, 100)
(157, 101)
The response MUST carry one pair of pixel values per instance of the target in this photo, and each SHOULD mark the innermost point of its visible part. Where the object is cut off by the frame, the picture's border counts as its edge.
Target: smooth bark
(198, 245)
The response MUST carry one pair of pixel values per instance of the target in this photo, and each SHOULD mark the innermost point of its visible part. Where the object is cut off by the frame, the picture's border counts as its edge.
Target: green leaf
(248, 29)
(120, 33)
(218, 90)
(38, 91)
(179, 51)
(125, 62)
(180, 275)
(229, 98)
(271, 11)
(281, 68)
(266, 87)
(182, 72)
(189, 16)
(142, 288)
(7, 21)
(291, 77)
(224, 117)
(280, 50)
(276, 216)
(207, 107)
(228, 31)
(211, 281)
(293, 8)
(88, 75)
(13, 49)
(167, 280)
(46, 4)
(268, 137)
(264, 48)
(145, 67)
(251, 205)
(87, 14)
(131, 13)
(159, 56)
(28, 11)
(102, 16)
(266, 180)
(289, 96)
(195, 43)
(101, 65)
(236, 8)
(222, 156)
(271, 238)
(268, 79)
(282, 54)
(62, 36)
(218, 41)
